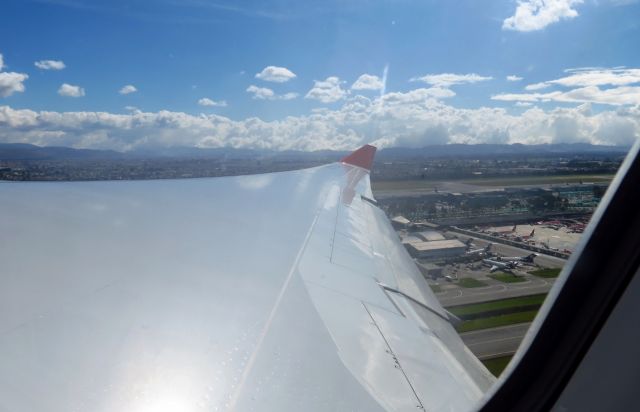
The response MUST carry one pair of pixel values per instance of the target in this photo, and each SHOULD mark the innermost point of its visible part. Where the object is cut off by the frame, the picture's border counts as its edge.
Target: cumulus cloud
(327, 91)
(50, 64)
(514, 78)
(616, 86)
(264, 93)
(69, 90)
(531, 15)
(450, 79)
(11, 83)
(590, 76)
(416, 118)
(260, 93)
(368, 82)
(128, 89)
(591, 94)
(537, 86)
(275, 74)
(417, 95)
(524, 104)
(205, 101)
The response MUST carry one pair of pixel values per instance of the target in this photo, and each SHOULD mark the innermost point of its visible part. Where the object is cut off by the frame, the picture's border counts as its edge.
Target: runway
(495, 342)
(464, 296)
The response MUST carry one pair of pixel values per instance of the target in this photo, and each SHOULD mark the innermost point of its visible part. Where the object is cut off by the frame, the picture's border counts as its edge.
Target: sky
(318, 74)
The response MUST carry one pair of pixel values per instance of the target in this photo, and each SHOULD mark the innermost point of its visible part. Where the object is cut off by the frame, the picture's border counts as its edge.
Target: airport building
(412, 239)
(429, 235)
(436, 249)
(430, 270)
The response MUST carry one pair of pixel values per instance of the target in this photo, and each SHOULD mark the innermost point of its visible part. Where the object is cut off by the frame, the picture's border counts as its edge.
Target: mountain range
(23, 151)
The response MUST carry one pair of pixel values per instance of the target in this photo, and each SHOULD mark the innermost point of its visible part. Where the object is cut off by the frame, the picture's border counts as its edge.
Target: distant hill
(22, 151)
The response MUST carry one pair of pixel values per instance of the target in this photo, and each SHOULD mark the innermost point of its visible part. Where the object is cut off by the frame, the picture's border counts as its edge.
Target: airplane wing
(283, 291)
(493, 268)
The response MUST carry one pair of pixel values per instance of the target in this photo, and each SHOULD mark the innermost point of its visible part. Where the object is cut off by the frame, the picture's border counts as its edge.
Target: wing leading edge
(284, 291)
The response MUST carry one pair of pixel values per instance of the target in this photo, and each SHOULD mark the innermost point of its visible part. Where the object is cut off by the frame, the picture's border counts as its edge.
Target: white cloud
(327, 91)
(128, 89)
(514, 78)
(626, 95)
(50, 64)
(524, 104)
(11, 83)
(586, 85)
(417, 95)
(368, 82)
(592, 76)
(415, 118)
(264, 93)
(537, 86)
(287, 96)
(275, 74)
(261, 93)
(205, 101)
(531, 15)
(70, 90)
(599, 77)
(450, 79)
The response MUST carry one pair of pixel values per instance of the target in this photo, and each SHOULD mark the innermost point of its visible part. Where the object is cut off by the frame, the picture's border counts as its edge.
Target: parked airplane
(481, 251)
(526, 259)
(498, 265)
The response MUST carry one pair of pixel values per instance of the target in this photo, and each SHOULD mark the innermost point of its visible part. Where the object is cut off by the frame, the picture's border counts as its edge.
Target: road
(495, 342)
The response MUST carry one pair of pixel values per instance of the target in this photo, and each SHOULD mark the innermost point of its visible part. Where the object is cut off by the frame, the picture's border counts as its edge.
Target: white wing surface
(284, 292)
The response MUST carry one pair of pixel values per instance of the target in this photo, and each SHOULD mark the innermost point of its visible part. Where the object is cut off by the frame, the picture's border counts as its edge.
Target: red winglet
(362, 157)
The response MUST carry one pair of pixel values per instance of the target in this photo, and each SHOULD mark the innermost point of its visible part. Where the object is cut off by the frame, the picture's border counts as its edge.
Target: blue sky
(175, 54)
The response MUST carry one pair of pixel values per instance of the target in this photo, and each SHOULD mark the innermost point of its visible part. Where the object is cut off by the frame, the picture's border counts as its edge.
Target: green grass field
(507, 278)
(495, 321)
(470, 283)
(497, 304)
(546, 273)
(435, 288)
(497, 365)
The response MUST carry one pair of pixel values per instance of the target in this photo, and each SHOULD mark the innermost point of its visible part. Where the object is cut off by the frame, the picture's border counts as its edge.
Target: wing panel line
(420, 404)
(267, 325)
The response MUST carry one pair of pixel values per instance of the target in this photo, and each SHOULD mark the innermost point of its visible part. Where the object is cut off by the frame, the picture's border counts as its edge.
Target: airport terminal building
(436, 249)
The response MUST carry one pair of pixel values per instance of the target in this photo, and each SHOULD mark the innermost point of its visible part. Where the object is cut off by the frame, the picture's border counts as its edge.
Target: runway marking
(493, 341)
(516, 326)
(497, 355)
